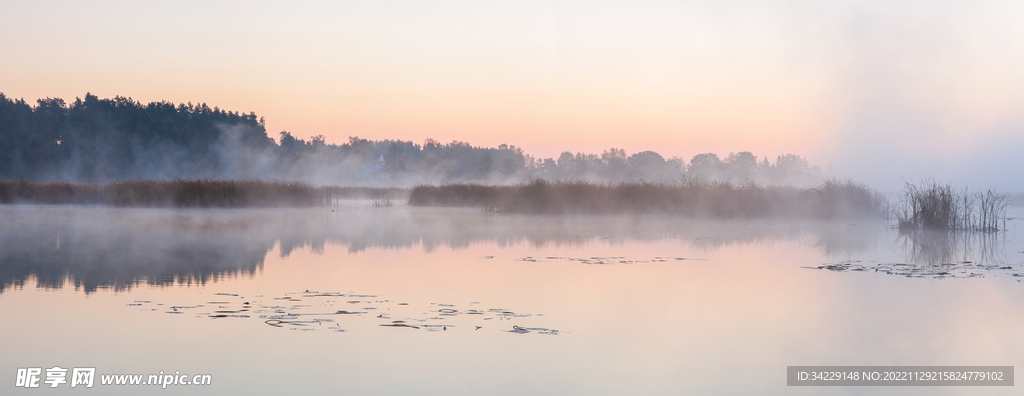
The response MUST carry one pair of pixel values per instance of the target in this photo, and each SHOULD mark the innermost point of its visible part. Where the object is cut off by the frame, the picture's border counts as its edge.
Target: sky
(880, 91)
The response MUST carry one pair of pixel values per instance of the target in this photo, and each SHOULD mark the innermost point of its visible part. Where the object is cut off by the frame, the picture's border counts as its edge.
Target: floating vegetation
(324, 315)
(539, 330)
(400, 323)
(957, 269)
(604, 260)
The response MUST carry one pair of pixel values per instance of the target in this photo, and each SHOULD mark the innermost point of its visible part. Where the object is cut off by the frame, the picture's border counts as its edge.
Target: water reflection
(940, 254)
(98, 247)
(929, 247)
(100, 251)
(631, 315)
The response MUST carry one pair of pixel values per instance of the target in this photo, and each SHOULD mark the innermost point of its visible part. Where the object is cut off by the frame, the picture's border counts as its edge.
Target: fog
(102, 140)
(95, 248)
(887, 137)
(922, 90)
(886, 141)
(665, 184)
(869, 89)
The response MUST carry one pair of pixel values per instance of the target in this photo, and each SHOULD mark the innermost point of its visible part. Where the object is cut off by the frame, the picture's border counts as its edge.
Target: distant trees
(648, 165)
(98, 140)
(95, 139)
(706, 166)
(743, 167)
(790, 167)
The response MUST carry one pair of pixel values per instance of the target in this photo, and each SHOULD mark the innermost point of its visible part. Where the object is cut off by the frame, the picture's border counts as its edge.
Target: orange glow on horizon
(678, 79)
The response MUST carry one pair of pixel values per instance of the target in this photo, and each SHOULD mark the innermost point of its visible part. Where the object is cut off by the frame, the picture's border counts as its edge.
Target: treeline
(96, 140)
(103, 140)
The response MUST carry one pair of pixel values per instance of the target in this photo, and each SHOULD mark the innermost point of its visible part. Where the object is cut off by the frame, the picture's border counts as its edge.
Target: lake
(356, 300)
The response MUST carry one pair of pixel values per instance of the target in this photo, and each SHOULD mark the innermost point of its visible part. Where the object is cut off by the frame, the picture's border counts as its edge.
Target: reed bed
(17, 191)
(933, 206)
(188, 193)
(691, 197)
(371, 193)
(205, 193)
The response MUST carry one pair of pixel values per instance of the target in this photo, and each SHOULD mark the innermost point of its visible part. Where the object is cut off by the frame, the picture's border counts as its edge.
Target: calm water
(445, 301)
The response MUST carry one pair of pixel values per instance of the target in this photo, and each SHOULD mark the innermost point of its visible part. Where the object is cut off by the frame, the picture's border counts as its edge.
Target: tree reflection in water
(117, 248)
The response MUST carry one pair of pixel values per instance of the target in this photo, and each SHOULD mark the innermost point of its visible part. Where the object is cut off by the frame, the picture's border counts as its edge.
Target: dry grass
(16, 191)
(381, 199)
(460, 195)
(371, 193)
(187, 193)
(692, 197)
(933, 206)
(206, 193)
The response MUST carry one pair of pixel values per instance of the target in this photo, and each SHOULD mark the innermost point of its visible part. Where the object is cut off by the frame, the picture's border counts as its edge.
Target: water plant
(930, 205)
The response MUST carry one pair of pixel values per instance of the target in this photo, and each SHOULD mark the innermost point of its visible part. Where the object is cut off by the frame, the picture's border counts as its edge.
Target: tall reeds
(690, 197)
(933, 206)
(187, 193)
(17, 191)
(381, 199)
(205, 193)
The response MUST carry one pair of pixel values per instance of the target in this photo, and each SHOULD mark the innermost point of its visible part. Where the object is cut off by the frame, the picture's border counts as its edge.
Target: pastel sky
(877, 90)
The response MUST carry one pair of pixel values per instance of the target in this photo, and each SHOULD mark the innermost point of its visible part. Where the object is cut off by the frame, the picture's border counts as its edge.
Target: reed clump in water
(690, 197)
(933, 206)
(187, 193)
(381, 199)
(372, 193)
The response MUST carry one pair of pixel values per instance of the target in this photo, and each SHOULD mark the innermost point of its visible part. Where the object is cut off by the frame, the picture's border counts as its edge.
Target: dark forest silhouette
(102, 140)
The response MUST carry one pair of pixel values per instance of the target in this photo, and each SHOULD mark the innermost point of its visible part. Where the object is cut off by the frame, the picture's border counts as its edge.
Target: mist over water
(92, 248)
(95, 248)
(922, 93)
(485, 294)
(613, 199)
